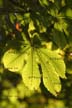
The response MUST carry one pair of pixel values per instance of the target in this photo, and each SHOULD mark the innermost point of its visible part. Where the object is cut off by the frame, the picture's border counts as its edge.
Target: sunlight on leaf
(13, 60)
(43, 2)
(69, 13)
(30, 73)
(53, 67)
(27, 62)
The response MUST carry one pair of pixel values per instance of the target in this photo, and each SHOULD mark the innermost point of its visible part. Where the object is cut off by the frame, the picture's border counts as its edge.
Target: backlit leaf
(53, 67)
(30, 73)
(14, 60)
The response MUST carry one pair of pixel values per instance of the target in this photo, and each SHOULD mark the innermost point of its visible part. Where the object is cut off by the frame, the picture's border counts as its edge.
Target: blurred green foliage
(51, 20)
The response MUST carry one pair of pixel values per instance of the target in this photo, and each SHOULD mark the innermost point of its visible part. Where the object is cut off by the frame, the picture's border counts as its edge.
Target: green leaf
(43, 2)
(69, 67)
(59, 39)
(53, 67)
(1, 3)
(69, 13)
(60, 25)
(30, 73)
(14, 60)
